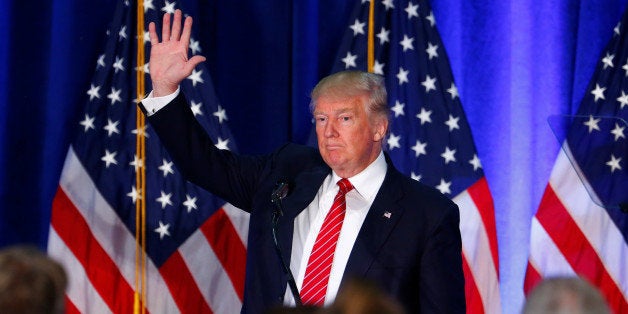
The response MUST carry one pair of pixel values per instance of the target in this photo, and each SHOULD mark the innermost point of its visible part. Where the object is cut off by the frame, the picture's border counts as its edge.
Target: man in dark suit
(389, 229)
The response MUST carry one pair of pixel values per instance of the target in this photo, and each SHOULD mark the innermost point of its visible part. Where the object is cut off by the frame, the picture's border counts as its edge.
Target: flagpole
(370, 54)
(140, 174)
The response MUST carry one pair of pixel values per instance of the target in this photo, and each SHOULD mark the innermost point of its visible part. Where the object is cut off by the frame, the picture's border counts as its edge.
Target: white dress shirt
(153, 104)
(309, 222)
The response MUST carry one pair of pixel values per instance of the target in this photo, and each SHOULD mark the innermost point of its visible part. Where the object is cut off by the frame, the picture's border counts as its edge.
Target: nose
(330, 128)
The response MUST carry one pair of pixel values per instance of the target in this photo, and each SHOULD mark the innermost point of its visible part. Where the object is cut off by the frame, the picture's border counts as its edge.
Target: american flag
(430, 139)
(195, 243)
(580, 228)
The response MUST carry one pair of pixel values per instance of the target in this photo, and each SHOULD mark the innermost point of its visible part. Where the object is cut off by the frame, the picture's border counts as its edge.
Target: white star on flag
(163, 230)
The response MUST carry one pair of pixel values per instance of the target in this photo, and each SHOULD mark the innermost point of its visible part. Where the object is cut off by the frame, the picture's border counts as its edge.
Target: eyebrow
(335, 112)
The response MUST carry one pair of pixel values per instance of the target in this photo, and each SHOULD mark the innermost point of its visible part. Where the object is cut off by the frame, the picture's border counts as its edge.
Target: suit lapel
(304, 189)
(379, 222)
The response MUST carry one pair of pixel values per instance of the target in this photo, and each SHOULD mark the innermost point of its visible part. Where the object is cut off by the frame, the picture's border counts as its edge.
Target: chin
(335, 163)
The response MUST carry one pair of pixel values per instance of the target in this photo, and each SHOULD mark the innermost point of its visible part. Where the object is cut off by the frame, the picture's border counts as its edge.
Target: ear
(379, 129)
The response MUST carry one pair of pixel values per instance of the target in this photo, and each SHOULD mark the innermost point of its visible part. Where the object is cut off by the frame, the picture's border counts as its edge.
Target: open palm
(169, 63)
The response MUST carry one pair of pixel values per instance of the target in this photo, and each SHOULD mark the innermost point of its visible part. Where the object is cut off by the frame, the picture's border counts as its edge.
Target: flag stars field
(429, 83)
(623, 99)
(168, 7)
(135, 194)
(222, 144)
(101, 62)
(162, 230)
(618, 132)
(614, 163)
(358, 28)
(141, 131)
(195, 46)
(424, 116)
(148, 5)
(402, 76)
(378, 68)
(598, 92)
(432, 51)
(196, 108)
(453, 91)
(608, 60)
(393, 141)
(406, 43)
(349, 60)
(111, 127)
(411, 9)
(196, 77)
(190, 203)
(398, 109)
(475, 162)
(164, 199)
(114, 96)
(166, 167)
(88, 123)
(109, 158)
(592, 123)
(137, 163)
(221, 114)
(452, 123)
(93, 92)
(383, 36)
(117, 65)
(122, 33)
(443, 187)
(419, 148)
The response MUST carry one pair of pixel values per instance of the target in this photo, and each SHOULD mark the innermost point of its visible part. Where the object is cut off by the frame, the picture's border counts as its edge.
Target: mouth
(333, 146)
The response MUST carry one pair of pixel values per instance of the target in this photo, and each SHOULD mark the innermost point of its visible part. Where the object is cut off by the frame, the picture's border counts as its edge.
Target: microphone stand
(280, 193)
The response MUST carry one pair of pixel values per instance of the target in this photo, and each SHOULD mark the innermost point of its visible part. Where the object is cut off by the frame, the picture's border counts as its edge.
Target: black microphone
(279, 193)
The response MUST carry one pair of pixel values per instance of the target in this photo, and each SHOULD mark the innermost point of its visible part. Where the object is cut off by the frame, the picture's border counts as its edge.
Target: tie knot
(345, 186)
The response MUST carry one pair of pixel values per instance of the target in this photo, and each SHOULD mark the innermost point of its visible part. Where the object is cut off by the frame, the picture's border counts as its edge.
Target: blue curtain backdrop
(515, 64)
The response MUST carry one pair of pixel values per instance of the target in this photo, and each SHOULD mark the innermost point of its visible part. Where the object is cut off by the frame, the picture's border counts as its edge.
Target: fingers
(194, 61)
(172, 32)
(187, 30)
(176, 26)
(152, 32)
(165, 28)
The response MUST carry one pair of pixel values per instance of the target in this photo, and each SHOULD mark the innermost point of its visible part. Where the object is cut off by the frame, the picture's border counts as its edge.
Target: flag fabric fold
(430, 139)
(195, 243)
(581, 225)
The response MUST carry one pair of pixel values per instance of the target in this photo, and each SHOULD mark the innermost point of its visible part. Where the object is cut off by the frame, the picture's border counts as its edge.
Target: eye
(345, 118)
(320, 119)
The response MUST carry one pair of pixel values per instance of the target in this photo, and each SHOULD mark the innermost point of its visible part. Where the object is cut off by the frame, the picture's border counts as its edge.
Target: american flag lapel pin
(387, 214)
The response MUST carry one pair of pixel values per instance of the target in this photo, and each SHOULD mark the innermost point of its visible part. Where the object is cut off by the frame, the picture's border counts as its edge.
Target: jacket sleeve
(221, 172)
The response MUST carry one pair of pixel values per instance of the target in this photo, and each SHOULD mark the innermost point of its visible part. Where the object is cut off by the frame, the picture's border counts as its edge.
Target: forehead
(330, 105)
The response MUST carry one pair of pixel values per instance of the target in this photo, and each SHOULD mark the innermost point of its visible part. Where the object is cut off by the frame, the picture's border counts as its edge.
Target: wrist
(163, 89)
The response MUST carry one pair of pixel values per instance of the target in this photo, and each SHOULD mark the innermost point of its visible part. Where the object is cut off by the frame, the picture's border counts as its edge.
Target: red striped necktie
(319, 264)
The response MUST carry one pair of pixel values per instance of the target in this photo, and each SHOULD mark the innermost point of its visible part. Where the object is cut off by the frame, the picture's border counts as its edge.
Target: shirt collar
(369, 180)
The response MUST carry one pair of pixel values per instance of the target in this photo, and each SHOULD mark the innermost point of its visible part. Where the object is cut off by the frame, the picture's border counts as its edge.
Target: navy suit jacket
(409, 244)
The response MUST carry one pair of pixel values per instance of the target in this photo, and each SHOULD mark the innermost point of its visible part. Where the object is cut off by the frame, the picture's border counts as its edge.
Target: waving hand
(169, 63)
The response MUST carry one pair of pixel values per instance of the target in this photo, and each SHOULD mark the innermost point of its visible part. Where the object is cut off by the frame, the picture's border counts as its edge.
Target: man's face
(348, 139)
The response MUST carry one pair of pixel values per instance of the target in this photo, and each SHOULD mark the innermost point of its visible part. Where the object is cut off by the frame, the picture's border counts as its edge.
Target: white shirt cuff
(154, 104)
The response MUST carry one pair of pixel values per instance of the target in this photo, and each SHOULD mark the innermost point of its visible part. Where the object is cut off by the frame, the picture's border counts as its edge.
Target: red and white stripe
(571, 234)
(205, 275)
(479, 249)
